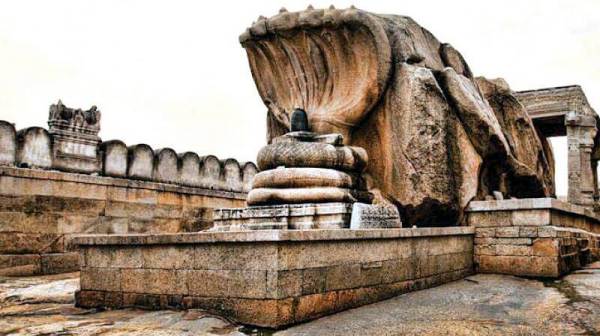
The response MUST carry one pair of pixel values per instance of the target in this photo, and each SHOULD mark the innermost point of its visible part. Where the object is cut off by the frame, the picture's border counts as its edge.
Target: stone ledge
(268, 235)
(115, 182)
(529, 204)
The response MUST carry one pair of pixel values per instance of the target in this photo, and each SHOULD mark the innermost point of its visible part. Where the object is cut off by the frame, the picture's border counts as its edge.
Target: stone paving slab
(484, 304)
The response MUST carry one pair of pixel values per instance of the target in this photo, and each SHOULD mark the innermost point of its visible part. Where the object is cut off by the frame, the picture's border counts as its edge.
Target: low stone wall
(116, 189)
(35, 147)
(269, 278)
(533, 237)
(40, 210)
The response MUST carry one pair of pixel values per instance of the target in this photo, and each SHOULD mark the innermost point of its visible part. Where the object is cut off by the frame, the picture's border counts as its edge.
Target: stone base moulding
(269, 278)
(283, 217)
(306, 216)
(541, 237)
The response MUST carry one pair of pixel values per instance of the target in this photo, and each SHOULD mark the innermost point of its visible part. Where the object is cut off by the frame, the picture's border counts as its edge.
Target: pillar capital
(581, 120)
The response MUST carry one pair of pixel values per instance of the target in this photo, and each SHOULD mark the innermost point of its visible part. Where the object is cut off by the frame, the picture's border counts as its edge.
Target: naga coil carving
(436, 137)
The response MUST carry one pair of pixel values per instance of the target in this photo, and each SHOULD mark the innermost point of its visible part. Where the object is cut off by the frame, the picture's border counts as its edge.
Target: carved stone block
(369, 216)
(75, 138)
(286, 216)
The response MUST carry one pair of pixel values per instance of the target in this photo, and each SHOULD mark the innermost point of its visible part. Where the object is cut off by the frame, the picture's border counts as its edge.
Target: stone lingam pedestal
(308, 181)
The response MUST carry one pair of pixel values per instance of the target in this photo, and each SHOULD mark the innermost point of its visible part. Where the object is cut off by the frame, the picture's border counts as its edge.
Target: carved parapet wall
(35, 147)
(74, 138)
(8, 143)
(47, 195)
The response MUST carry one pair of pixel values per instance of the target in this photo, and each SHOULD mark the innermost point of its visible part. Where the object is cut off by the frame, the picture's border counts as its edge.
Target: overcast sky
(172, 73)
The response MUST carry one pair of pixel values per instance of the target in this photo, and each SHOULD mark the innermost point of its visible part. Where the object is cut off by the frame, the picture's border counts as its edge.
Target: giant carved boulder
(436, 136)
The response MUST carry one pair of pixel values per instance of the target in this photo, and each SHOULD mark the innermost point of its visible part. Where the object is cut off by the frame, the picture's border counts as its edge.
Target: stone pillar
(581, 130)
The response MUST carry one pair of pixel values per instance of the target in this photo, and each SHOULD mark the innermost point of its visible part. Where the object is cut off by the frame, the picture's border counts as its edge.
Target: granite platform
(537, 237)
(269, 278)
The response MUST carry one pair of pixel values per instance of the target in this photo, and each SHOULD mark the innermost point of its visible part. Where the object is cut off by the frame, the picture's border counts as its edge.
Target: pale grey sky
(172, 74)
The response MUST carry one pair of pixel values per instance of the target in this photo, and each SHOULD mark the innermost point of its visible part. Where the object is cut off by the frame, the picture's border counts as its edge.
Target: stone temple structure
(63, 181)
(441, 137)
(309, 181)
(388, 168)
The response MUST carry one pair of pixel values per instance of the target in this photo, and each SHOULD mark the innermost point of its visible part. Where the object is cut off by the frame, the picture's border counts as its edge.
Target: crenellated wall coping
(268, 236)
(116, 159)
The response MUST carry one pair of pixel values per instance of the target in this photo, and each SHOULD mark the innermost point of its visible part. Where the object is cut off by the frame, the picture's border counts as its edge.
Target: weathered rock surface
(479, 305)
(436, 137)
(306, 177)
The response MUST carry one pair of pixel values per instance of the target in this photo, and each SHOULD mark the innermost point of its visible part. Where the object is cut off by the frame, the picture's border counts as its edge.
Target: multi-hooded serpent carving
(436, 136)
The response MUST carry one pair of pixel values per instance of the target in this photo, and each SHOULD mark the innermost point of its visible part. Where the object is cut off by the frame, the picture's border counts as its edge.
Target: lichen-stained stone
(153, 281)
(8, 143)
(437, 138)
(227, 283)
(232, 175)
(140, 162)
(165, 166)
(114, 158)
(249, 171)
(522, 265)
(24, 243)
(34, 148)
(172, 257)
(107, 279)
(210, 173)
(56, 263)
(189, 169)
(272, 278)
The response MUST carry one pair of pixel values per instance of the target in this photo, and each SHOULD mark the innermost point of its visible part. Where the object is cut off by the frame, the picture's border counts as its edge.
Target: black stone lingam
(299, 121)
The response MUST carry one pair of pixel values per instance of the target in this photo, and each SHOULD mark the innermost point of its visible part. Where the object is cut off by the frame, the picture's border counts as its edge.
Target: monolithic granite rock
(437, 137)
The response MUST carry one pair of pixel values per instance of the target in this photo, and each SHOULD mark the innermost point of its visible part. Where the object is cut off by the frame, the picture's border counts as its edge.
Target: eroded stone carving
(34, 148)
(308, 181)
(436, 136)
(165, 166)
(140, 162)
(75, 138)
(114, 157)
